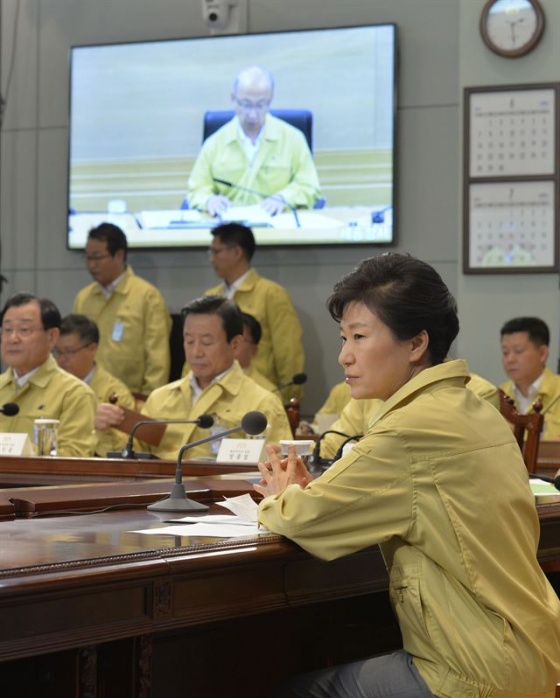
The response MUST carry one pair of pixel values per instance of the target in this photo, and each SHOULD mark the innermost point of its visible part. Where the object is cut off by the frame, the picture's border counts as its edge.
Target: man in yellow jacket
(131, 314)
(215, 385)
(30, 330)
(280, 354)
(525, 350)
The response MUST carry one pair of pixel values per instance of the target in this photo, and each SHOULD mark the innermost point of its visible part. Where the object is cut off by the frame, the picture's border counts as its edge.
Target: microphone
(253, 423)
(298, 379)
(232, 185)
(551, 480)
(10, 409)
(205, 421)
(316, 457)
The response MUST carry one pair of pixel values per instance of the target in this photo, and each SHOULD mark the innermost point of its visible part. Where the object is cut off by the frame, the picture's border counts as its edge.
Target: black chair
(300, 118)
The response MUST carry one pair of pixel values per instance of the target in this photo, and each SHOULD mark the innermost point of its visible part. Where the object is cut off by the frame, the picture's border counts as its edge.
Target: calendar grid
(511, 179)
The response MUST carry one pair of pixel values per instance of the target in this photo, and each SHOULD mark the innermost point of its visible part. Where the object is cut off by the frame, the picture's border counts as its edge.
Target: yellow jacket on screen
(439, 483)
(280, 354)
(134, 326)
(229, 399)
(54, 394)
(283, 166)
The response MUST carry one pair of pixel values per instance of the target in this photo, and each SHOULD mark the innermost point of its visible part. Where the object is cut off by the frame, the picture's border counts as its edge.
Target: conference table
(92, 607)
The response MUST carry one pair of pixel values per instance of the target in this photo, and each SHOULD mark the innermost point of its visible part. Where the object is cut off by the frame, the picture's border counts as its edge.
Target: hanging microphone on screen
(298, 379)
(232, 185)
(10, 409)
(205, 421)
(253, 423)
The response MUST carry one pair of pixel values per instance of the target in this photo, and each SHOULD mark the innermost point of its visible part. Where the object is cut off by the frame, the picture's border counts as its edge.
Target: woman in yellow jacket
(439, 483)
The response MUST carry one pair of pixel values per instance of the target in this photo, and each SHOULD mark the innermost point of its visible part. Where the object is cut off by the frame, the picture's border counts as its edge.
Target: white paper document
(242, 524)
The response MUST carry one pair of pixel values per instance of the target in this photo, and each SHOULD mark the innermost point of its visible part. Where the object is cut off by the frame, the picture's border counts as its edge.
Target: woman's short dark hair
(406, 294)
(228, 310)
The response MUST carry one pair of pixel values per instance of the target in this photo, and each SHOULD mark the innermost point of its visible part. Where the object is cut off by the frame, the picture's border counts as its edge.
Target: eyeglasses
(21, 332)
(68, 353)
(88, 259)
(213, 251)
(246, 106)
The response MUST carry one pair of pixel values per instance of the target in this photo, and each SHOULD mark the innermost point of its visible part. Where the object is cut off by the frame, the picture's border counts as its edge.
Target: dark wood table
(91, 608)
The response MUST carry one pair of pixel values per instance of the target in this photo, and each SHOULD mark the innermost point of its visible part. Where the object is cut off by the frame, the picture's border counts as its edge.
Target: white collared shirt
(230, 289)
(22, 380)
(197, 390)
(110, 288)
(525, 402)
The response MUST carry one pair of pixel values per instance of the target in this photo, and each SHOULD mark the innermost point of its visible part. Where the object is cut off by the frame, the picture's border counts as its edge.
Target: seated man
(255, 158)
(30, 330)
(75, 352)
(215, 385)
(357, 414)
(248, 350)
(525, 342)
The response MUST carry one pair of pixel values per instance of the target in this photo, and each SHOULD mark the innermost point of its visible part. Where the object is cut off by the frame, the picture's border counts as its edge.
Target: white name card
(15, 444)
(241, 451)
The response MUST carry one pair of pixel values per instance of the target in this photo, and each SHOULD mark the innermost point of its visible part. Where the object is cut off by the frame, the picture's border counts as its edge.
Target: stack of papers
(545, 492)
(242, 525)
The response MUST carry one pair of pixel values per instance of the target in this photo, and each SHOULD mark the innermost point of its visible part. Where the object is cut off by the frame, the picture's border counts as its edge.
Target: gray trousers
(388, 676)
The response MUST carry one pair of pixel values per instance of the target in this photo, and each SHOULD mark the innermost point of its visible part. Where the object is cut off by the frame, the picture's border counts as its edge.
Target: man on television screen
(255, 158)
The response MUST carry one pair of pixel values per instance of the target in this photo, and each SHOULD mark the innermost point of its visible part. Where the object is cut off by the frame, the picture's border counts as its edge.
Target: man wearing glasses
(75, 352)
(30, 331)
(258, 158)
(131, 314)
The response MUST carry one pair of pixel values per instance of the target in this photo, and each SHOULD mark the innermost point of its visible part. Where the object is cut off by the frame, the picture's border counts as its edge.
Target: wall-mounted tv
(139, 156)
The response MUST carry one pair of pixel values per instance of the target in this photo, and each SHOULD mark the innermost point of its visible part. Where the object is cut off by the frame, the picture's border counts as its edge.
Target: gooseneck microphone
(10, 409)
(298, 379)
(253, 423)
(205, 421)
(233, 185)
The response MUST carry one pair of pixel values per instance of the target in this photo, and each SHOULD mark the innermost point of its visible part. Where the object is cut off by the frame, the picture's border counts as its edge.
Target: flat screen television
(136, 129)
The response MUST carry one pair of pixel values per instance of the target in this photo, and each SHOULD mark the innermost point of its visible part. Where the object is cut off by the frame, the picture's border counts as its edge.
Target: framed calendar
(511, 179)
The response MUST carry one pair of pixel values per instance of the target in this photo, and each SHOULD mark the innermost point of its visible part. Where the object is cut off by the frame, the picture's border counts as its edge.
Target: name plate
(241, 451)
(15, 444)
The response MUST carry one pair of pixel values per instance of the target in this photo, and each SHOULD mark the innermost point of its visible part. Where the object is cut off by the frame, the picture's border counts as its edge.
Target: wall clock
(512, 28)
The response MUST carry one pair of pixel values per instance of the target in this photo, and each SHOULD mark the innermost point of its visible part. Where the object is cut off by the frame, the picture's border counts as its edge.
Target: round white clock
(512, 28)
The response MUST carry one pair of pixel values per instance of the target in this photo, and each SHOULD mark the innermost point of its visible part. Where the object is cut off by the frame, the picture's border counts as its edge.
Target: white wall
(434, 43)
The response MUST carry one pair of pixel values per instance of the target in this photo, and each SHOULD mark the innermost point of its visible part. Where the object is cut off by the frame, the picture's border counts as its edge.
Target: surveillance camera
(216, 13)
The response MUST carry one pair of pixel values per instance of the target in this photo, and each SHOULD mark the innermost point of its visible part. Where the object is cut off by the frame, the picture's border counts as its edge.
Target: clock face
(512, 27)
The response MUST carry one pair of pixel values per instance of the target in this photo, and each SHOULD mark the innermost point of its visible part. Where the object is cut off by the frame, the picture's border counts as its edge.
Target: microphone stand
(178, 500)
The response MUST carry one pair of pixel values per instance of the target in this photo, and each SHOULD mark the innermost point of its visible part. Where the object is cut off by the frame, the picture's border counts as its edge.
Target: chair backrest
(300, 118)
(527, 428)
(294, 414)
